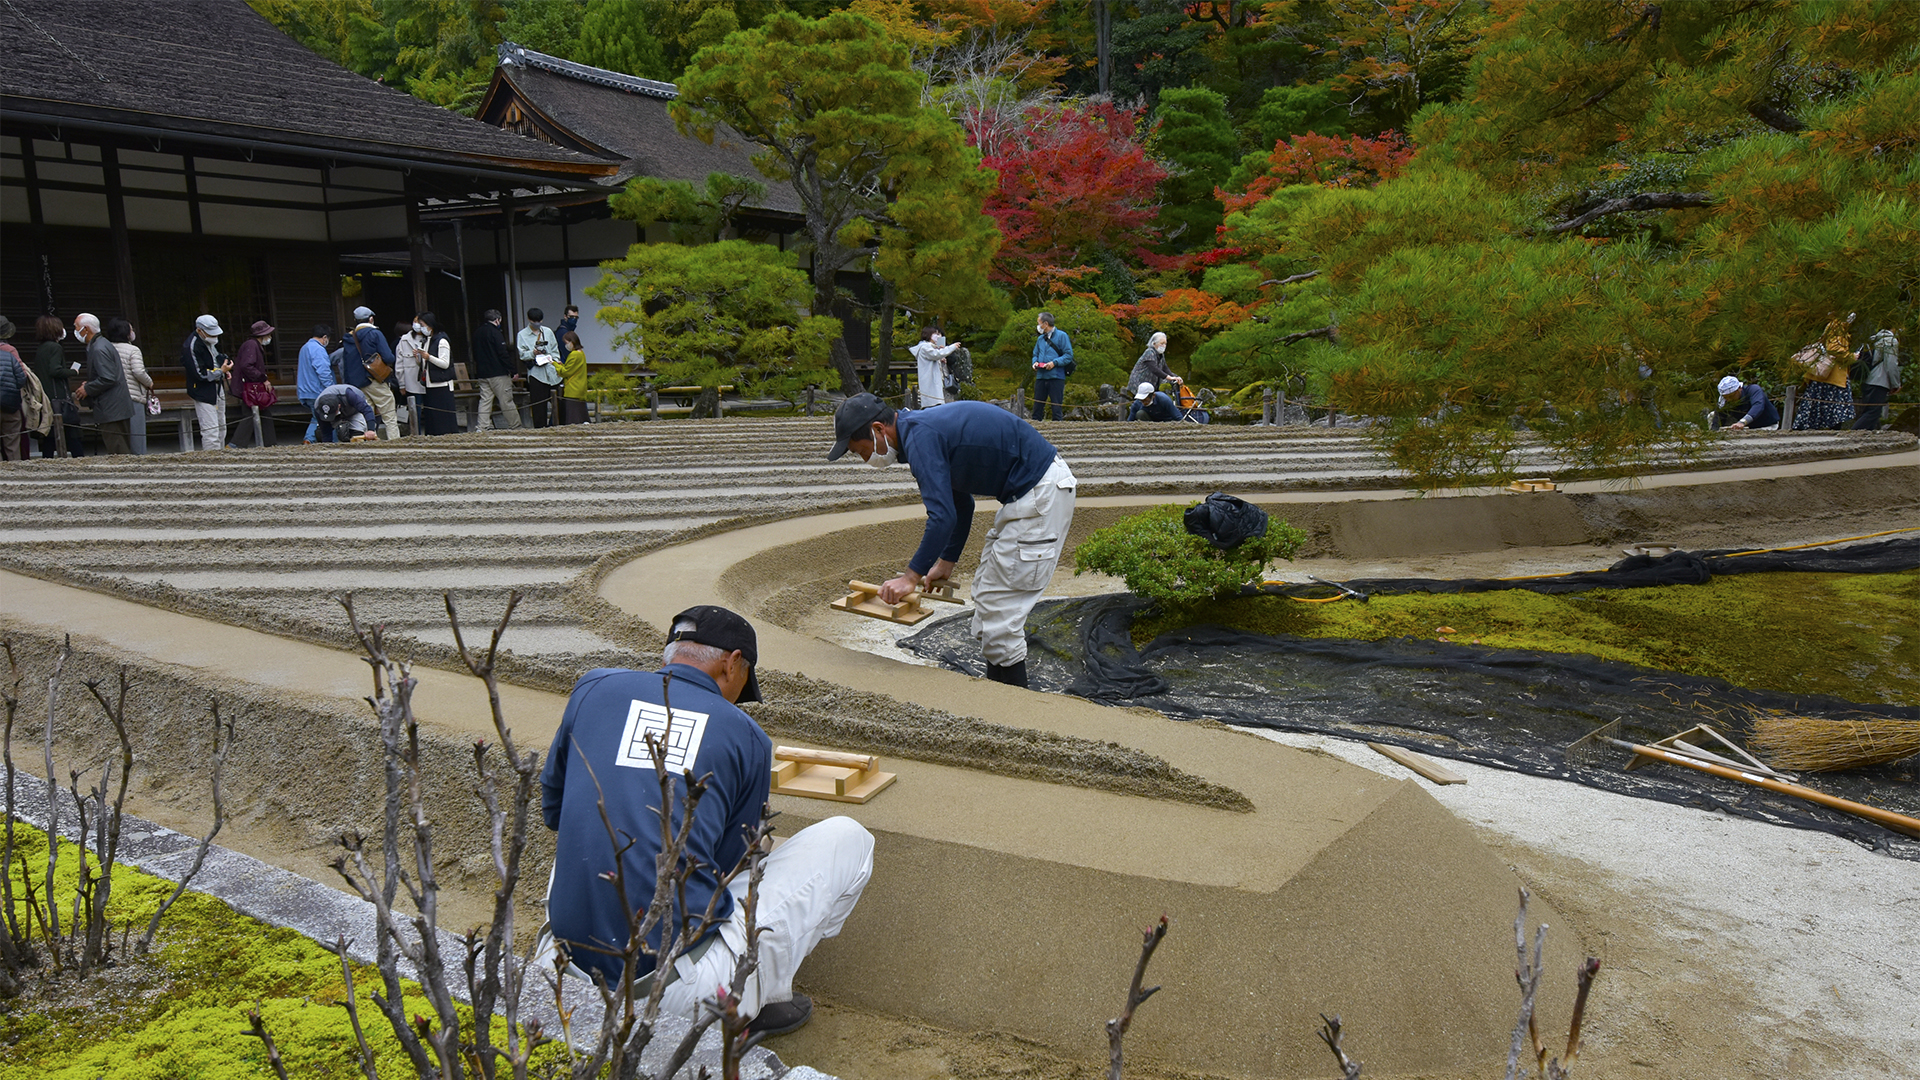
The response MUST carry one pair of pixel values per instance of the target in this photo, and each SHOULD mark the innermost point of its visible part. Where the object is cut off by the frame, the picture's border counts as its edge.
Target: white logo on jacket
(680, 734)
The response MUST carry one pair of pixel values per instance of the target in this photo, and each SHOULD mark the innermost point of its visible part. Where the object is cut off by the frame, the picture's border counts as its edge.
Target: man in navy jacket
(600, 757)
(957, 451)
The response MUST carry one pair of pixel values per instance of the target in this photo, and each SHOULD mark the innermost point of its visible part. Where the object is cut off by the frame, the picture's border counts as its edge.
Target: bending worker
(600, 758)
(958, 451)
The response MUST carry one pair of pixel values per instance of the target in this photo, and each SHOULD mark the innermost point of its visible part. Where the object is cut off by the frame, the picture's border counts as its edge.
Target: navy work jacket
(960, 450)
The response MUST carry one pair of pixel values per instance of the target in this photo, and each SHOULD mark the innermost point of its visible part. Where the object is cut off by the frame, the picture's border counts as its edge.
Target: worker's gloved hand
(898, 589)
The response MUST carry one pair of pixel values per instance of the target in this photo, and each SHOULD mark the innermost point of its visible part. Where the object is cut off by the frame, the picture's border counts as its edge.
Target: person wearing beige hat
(207, 371)
(253, 387)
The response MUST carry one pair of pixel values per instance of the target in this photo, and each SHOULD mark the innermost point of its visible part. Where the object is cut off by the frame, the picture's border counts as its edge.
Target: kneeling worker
(958, 451)
(811, 882)
(341, 414)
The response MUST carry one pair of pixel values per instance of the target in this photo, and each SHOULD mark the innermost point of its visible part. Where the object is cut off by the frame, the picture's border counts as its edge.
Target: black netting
(1505, 708)
(1640, 571)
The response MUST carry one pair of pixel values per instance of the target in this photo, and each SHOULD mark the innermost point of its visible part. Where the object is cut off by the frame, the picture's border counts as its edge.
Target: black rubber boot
(1012, 674)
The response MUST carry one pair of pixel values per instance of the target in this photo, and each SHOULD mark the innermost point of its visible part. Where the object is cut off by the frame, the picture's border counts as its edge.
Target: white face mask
(420, 329)
(266, 340)
(880, 460)
(939, 341)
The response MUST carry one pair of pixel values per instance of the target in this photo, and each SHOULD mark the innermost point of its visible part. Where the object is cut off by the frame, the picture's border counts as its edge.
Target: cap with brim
(856, 415)
(363, 313)
(726, 631)
(208, 324)
(259, 329)
(1144, 392)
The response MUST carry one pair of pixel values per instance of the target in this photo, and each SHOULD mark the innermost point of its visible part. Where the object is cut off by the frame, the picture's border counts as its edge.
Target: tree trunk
(883, 349)
(823, 294)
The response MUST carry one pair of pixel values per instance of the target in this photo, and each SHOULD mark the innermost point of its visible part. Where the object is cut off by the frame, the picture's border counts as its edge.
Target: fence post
(1786, 412)
(1020, 401)
(259, 436)
(653, 403)
(809, 411)
(187, 419)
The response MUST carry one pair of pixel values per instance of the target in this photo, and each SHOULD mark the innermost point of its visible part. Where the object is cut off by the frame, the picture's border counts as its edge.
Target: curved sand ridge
(1040, 887)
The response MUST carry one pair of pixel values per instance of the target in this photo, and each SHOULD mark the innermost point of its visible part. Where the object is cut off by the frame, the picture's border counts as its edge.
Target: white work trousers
(380, 396)
(809, 888)
(213, 422)
(1022, 549)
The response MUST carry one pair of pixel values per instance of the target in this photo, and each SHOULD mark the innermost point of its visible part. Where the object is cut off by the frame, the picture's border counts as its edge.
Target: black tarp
(1504, 708)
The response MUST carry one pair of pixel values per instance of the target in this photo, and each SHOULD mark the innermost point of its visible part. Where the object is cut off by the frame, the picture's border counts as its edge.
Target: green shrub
(1160, 560)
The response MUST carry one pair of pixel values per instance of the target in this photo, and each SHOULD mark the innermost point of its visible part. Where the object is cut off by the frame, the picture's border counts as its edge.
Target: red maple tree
(1355, 161)
(1076, 181)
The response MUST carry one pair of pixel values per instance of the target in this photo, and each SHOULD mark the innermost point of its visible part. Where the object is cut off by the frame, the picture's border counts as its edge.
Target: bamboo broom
(1811, 744)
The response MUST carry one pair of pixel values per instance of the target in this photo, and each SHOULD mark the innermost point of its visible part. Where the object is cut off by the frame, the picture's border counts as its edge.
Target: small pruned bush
(1160, 560)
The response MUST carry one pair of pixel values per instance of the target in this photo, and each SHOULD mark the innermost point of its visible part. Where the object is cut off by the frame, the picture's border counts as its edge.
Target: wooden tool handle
(824, 757)
(910, 603)
(1895, 821)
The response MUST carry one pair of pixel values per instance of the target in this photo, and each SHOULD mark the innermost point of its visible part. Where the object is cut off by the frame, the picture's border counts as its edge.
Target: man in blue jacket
(1750, 401)
(315, 372)
(364, 345)
(600, 758)
(1052, 363)
(957, 451)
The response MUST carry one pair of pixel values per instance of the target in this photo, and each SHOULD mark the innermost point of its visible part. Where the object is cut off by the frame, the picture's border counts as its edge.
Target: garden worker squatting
(810, 883)
(957, 451)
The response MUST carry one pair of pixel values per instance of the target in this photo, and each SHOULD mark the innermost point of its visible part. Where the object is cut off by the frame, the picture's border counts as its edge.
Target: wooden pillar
(513, 269)
(416, 255)
(117, 225)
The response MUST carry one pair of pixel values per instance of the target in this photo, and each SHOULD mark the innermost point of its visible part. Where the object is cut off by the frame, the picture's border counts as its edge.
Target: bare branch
(258, 1029)
(1777, 119)
(365, 1052)
(1117, 1028)
(1330, 1034)
(1288, 280)
(1646, 200)
(52, 922)
(220, 748)
(1320, 332)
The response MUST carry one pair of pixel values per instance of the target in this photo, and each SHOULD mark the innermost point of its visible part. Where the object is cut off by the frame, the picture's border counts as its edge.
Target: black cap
(726, 631)
(856, 415)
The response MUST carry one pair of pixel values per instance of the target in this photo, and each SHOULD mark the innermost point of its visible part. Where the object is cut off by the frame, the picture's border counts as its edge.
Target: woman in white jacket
(139, 383)
(932, 352)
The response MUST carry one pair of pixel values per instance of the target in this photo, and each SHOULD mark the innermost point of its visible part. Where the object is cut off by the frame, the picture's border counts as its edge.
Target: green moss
(179, 1014)
(1849, 635)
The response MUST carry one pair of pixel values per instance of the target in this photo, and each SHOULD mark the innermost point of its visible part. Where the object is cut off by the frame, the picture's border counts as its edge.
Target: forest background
(1469, 219)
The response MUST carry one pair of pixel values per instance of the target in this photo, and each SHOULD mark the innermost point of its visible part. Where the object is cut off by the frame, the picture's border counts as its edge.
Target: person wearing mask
(1881, 355)
(1052, 363)
(570, 323)
(105, 389)
(495, 368)
(343, 414)
(139, 383)
(367, 364)
(439, 415)
(573, 384)
(932, 352)
(408, 389)
(315, 373)
(1744, 406)
(1150, 369)
(51, 367)
(1152, 404)
(957, 452)
(13, 390)
(540, 351)
(253, 385)
(1825, 401)
(207, 371)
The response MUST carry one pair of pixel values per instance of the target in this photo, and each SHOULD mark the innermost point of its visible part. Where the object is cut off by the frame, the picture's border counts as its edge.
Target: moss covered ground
(1855, 636)
(180, 1013)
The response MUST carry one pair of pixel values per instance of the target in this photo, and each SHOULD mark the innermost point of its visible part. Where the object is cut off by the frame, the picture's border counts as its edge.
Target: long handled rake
(1593, 749)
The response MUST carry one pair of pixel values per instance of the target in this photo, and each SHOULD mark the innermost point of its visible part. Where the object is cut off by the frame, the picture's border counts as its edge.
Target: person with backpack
(366, 363)
(13, 393)
(207, 369)
(1052, 363)
(1879, 373)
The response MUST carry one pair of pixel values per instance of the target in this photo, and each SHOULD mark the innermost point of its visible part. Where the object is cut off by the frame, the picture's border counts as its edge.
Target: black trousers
(1875, 398)
(1045, 390)
(539, 394)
